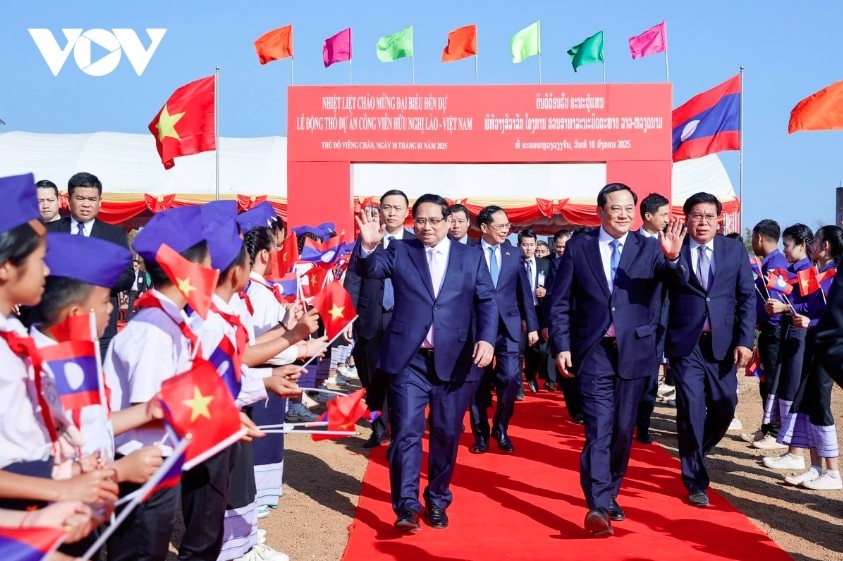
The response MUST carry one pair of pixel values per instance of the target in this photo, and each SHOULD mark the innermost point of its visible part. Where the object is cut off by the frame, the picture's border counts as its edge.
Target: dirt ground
(322, 482)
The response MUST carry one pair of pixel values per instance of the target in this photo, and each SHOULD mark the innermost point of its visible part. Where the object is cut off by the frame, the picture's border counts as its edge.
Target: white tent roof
(129, 163)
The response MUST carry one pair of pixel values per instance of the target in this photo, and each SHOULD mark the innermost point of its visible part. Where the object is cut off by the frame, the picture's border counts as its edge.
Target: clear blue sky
(789, 49)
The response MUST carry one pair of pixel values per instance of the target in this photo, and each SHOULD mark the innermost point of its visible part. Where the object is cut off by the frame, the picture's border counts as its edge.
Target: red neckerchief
(25, 347)
(245, 297)
(241, 335)
(150, 300)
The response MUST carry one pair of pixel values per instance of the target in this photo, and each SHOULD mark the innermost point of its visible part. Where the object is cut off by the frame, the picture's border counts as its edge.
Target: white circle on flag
(689, 129)
(74, 375)
(223, 368)
(328, 256)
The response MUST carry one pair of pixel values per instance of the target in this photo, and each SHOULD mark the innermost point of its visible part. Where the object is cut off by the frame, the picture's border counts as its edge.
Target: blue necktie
(388, 292)
(493, 264)
(80, 229)
(616, 258)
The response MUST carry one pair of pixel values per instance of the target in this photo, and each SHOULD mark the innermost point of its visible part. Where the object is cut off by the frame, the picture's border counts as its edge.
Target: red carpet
(530, 506)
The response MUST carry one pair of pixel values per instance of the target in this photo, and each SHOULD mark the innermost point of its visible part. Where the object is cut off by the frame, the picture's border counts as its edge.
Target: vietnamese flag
(185, 125)
(316, 276)
(809, 281)
(275, 44)
(820, 111)
(198, 402)
(196, 282)
(29, 544)
(462, 43)
(286, 257)
(335, 308)
(343, 412)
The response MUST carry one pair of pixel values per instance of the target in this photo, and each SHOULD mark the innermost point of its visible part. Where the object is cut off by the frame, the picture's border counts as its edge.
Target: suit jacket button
(427, 328)
(613, 308)
(708, 299)
(435, 307)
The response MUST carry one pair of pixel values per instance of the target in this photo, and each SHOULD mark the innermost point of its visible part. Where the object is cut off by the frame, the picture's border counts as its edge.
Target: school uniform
(267, 312)
(769, 337)
(150, 349)
(794, 430)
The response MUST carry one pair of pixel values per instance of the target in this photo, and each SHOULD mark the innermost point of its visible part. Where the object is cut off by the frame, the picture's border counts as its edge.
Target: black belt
(611, 342)
(427, 353)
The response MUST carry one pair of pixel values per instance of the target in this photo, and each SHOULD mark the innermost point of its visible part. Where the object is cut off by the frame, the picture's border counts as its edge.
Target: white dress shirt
(647, 234)
(74, 226)
(604, 239)
(531, 273)
(695, 264)
(485, 245)
(399, 235)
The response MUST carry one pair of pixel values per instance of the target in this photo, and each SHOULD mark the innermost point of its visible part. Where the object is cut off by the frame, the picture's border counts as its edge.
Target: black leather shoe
(579, 419)
(616, 513)
(374, 441)
(481, 445)
(436, 517)
(520, 395)
(644, 437)
(597, 522)
(503, 441)
(698, 499)
(550, 387)
(407, 521)
(533, 385)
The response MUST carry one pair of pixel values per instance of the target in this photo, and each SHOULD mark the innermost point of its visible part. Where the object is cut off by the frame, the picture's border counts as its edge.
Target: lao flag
(314, 252)
(29, 544)
(76, 328)
(171, 477)
(76, 371)
(755, 366)
(775, 281)
(224, 358)
(323, 231)
(286, 288)
(708, 122)
(755, 264)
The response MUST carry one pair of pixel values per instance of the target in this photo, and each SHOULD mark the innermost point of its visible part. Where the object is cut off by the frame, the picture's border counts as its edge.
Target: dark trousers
(570, 387)
(410, 392)
(769, 343)
(366, 353)
(204, 495)
(505, 379)
(648, 403)
(706, 396)
(145, 535)
(609, 406)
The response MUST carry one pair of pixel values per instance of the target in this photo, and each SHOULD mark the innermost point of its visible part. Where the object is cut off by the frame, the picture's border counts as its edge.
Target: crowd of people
(450, 314)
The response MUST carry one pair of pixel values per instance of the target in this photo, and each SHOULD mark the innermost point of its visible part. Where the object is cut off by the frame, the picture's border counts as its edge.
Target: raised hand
(672, 238)
(371, 230)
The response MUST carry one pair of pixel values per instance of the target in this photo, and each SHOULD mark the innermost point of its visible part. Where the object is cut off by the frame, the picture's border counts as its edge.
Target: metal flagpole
(350, 78)
(666, 66)
(740, 164)
(217, 127)
(540, 50)
(292, 71)
(476, 78)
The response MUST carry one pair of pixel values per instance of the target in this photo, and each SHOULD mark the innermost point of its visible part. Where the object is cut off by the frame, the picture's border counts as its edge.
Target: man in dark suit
(139, 286)
(374, 300)
(515, 305)
(711, 331)
(460, 221)
(442, 332)
(535, 356)
(601, 329)
(84, 194)
(655, 213)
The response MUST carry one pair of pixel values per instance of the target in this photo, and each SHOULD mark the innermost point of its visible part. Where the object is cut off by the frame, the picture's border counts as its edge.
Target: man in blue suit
(601, 328)
(711, 329)
(515, 305)
(442, 332)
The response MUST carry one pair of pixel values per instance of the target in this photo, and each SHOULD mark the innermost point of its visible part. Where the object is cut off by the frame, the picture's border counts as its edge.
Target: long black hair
(834, 236)
(18, 243)
(258, 240)
(800, 234)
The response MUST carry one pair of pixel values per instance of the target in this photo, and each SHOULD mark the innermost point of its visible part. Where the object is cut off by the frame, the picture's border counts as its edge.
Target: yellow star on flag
(805, 284)
(313, 280)
(185, 287)
(166, 124)
(199, 405)
(336, 312)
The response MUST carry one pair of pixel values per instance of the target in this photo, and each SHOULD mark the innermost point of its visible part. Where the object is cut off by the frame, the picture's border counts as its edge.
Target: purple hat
(20, 202)
(224, 242)
(260, 216)
(180, 228)
(218, 210)
(89, 260)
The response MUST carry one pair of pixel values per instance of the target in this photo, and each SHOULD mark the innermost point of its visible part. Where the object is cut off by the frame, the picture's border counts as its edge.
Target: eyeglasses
(501, 227)
(425, 221)
(709, 218)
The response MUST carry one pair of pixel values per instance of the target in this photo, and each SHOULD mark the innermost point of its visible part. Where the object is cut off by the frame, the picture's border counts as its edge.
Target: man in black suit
(535, 356)
(460, 221)
(710, 333)
(84, 193)
(374, 300)
(138, 287)
(655, 213)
